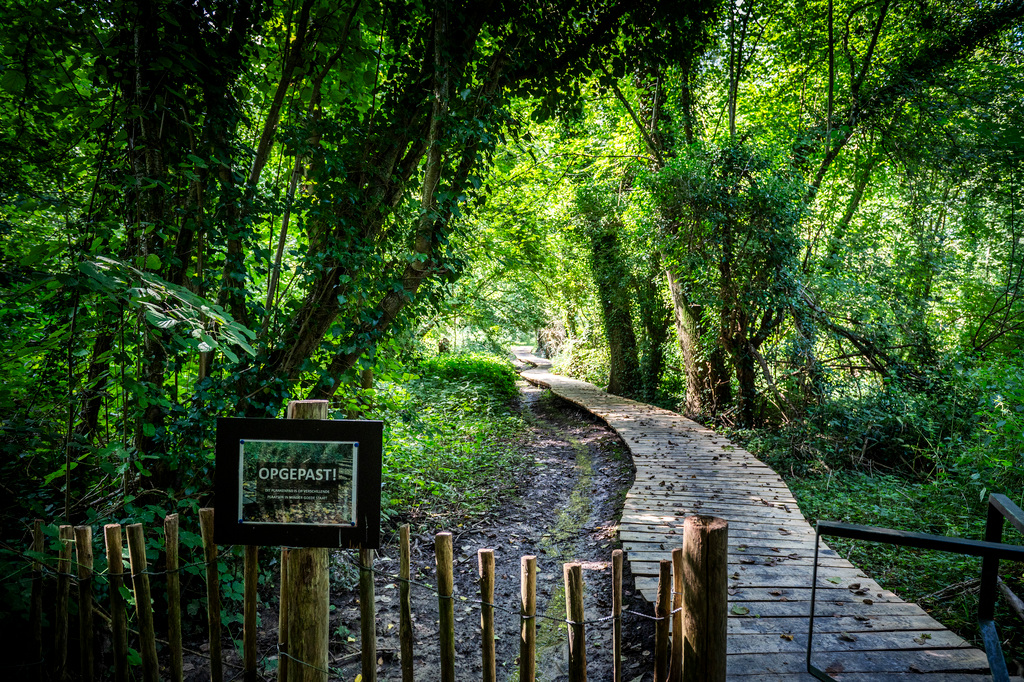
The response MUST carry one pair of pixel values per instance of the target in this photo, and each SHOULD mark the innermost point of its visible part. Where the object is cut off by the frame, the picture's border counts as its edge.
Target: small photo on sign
(298, 482)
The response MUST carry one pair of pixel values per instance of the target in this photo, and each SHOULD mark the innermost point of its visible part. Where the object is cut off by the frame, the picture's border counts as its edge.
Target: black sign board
(298, 482)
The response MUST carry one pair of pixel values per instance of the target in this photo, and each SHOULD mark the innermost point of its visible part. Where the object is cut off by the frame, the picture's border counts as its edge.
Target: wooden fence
(696, 576)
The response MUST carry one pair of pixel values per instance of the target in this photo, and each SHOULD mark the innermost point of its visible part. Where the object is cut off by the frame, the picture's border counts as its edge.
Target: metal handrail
(991, 550)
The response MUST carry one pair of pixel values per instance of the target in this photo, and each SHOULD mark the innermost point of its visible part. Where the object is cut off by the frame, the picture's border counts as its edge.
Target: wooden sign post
(306, 483)
(308, 594)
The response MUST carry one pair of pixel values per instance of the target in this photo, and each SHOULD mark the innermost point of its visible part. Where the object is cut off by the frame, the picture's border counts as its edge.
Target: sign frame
(232, 530)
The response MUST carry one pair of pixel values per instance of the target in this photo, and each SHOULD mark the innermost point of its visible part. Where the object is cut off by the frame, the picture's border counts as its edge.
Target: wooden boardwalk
(862, 632)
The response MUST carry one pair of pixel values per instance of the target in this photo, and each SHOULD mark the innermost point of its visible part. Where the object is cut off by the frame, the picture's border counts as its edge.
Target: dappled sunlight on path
(862, 632)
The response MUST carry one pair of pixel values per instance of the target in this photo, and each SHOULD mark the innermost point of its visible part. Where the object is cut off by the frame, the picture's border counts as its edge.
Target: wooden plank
(927, 661)
(832, 642)
(834, 624)
(872, 677)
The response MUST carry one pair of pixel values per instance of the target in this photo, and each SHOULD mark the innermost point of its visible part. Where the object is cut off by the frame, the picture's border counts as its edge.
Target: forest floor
(567, 510)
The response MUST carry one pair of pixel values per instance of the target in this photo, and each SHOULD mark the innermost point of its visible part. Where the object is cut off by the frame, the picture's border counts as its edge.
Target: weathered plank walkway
(862, 632)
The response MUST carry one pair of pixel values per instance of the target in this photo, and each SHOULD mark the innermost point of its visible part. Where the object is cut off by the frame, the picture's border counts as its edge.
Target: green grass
(452, 436)
(945, 507)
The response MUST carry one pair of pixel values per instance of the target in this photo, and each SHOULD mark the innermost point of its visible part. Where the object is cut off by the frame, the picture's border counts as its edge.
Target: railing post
(212, 593)
(83, 552)
(575, 615)
(990, 565)
(617, 615)
(367, 617)
(485, 560)
(446, 607)
(528, 620)
(705, 598)
(663, 612)
(405, 603)
(118, 620)
(36, 610)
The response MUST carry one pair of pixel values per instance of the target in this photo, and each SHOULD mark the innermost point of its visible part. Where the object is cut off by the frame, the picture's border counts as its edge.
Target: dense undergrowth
(451, 452)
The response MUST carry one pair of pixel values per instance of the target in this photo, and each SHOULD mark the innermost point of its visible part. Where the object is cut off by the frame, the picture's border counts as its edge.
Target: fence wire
(37, 563)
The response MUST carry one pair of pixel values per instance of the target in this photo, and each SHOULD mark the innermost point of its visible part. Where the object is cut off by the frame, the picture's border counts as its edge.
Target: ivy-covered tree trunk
(655, 318)
(708, 388)
(611, 279)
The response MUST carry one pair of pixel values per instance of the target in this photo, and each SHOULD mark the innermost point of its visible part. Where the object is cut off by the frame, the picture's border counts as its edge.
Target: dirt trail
(567, 510)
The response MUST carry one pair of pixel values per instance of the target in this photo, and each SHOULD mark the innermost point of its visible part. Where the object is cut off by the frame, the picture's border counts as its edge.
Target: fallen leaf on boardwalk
(923, 638)
(835, 668)
(775, 592)
(915, 669)
(747, 561)
(788, 638)
(783, 531)
(854, 586)
(835, 581)
(847, 637)
(732, 591)
(739, 610)
(742, 548)
(869, 602)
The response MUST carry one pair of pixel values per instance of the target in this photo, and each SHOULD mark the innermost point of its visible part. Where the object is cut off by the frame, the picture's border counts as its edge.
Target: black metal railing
(991, 550)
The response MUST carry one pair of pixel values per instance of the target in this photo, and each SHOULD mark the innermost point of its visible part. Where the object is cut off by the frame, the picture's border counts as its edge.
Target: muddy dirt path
(567, 511)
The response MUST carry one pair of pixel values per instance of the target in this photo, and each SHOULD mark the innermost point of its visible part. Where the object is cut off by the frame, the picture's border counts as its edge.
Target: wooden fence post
(405, 602)
(83, 553)
(573, 574)
(283, 607)
(705, 598)
(212, 593)
(663, 612)
(617, 615)
(118, 620)
(173, 596)
(367, 617)
(676, 667)
(308, 589)
(445, 604)
(307, 614)
(36, 610)
(485, 563)
(250, 600)
(143, 603)
(528, 620)
(63, 592)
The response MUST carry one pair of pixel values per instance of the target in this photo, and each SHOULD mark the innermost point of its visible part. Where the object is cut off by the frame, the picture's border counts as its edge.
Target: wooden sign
(298, 482)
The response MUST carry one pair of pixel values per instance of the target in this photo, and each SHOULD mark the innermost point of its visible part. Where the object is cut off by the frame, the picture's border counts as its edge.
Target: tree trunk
(707, 380)
(610, 277)
(655, 318)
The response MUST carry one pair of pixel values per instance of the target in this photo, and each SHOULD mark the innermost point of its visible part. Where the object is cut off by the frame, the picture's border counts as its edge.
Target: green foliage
(481, 373)
(995, 460)
(451, 440)
(583, 358)
(944, 507)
